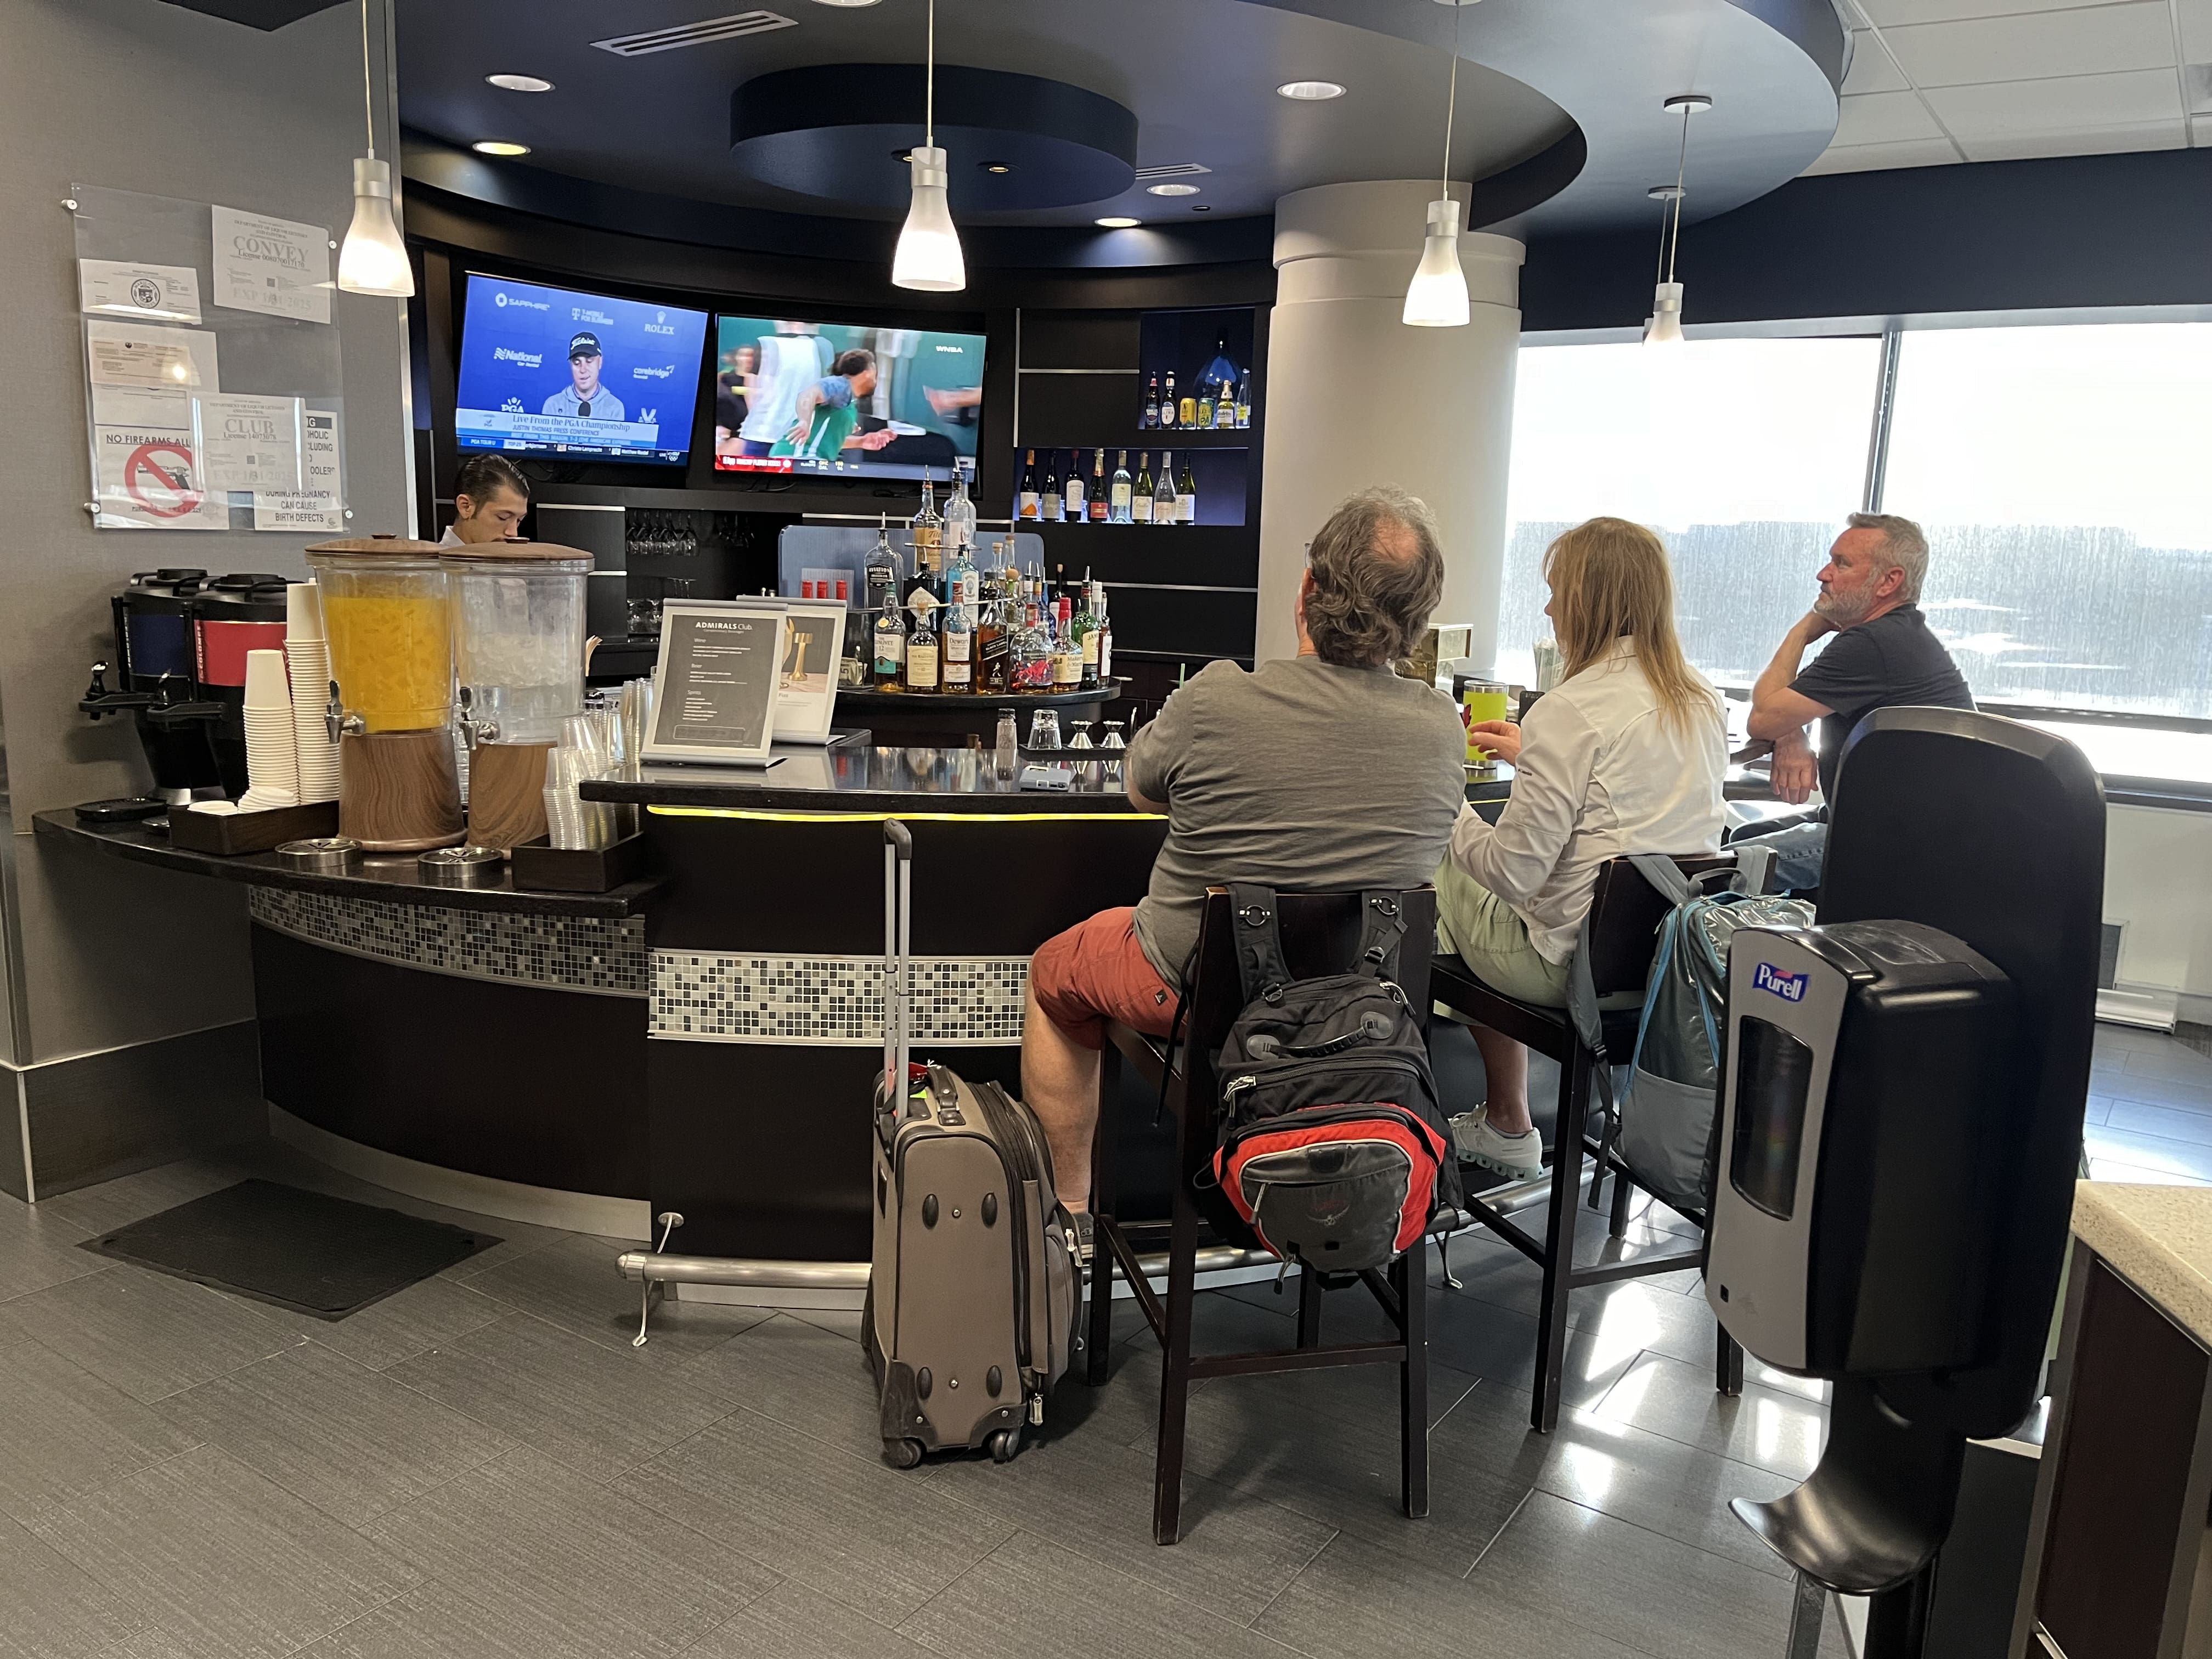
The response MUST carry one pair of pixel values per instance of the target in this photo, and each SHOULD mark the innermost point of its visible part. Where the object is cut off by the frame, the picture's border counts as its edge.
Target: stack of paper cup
(272, 765)
(308, 665)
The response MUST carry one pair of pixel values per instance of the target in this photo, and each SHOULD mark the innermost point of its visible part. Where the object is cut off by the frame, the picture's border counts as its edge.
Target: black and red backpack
(1332, 1147)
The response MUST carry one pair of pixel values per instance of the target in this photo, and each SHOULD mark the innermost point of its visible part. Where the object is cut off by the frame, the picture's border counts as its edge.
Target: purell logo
(1790, 987)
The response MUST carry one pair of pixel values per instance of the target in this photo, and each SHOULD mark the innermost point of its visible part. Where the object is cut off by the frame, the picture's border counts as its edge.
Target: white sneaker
(1518, 1156)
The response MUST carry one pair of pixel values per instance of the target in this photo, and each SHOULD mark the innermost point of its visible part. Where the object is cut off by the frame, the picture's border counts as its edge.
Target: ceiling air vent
(695, 34)
(1179, 170)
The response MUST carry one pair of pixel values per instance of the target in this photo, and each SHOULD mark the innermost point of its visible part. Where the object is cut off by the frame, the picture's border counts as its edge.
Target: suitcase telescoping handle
(898, 895)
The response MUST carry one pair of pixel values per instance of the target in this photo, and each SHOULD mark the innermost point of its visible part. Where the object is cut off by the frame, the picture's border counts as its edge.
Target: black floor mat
(305, 1251)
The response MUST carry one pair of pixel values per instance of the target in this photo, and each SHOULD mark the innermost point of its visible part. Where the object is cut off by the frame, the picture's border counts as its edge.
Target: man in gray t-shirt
(1324, 771)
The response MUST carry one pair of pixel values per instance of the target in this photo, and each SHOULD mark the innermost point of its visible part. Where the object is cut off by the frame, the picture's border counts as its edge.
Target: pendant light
(929, 254)
(373, 259)
(1664, 325)
(1436, 297)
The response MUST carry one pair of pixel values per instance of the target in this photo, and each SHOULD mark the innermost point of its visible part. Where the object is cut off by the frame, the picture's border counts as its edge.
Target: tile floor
(482, 1465)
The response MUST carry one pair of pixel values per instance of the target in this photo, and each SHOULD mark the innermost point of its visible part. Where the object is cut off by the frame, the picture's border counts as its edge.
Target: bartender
(489, 498)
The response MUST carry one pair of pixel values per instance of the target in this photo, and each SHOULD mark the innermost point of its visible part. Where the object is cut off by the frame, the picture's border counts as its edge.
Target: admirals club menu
(719, 673)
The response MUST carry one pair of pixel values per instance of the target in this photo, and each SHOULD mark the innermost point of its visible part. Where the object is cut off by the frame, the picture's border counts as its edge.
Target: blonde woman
(1626, 755)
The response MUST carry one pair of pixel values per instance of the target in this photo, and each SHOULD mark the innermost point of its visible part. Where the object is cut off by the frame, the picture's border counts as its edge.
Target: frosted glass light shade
(929, 254)
(1664, 325)
(373, 258)
(1436, 297)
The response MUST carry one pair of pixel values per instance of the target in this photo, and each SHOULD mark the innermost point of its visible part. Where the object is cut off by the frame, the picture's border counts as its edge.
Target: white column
(1357, 398)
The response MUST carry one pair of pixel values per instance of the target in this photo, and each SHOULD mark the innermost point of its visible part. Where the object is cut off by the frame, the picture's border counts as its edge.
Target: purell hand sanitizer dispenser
(1900, 1123)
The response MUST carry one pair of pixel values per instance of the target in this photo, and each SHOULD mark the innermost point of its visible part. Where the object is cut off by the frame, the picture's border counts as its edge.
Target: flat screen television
(844, 398)
(552, 371)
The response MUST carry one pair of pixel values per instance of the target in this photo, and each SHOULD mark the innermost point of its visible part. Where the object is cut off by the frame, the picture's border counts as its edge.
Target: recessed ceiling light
(1117, 222)
(996, 167)
(1310, 92)
(519, 84)
(499, 147)
(1170, 190)
(1688, 103)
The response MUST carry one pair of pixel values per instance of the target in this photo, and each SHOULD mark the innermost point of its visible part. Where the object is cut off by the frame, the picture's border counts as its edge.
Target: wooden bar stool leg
(1559, 1240)
(1308, 1307)
(1100, 1339)
(1411, 1280)
(1175, 1371)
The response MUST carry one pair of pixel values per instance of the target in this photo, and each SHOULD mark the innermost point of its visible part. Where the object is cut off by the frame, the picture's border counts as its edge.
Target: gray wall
(140, 96)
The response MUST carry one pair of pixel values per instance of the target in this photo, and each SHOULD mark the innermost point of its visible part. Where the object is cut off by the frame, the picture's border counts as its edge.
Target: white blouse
(1601, 774)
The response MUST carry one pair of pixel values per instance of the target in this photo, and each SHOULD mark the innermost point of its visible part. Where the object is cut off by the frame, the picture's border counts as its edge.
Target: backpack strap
(1381, 931)
(1261, 964)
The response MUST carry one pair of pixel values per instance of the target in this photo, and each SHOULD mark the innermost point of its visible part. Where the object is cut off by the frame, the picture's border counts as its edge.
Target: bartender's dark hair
(483, 477)
(857, 360)
(1378, 572)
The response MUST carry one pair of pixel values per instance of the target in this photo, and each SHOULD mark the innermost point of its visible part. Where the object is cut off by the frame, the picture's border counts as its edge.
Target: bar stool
(1622, 937)
(1321, 935)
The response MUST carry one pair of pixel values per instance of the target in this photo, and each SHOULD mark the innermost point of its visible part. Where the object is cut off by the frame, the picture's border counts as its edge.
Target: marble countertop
(2159, 1238)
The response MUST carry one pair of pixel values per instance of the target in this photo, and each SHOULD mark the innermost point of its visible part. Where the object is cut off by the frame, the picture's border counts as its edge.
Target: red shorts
(1097, 971)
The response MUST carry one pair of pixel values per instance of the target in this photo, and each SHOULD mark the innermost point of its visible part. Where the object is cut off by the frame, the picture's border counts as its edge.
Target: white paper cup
(214, 809)
(266, 685)
(303, 612)
(259, 800)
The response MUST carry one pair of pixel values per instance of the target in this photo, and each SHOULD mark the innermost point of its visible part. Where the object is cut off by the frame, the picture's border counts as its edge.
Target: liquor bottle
(994, 652)
(1244, 400)
(963, 584)
(1105, 634)
(882, 568)
(1205, 404)
(1067, 649)
(956, 664)
(1098, 489)
(927, 531)
(1032, 670)
(1163, 493)
(1071, 492)
(1048, 497)
(1140, 504)
(1028, 509)
(921, 665)
(1168, 402)
(1086, 638)
(889, 643)
(1186, 494)
(1118, 510)
(960, 515)
(1151, 415)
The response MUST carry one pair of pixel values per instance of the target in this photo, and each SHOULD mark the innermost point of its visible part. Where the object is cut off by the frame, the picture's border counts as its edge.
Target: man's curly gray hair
(1373, 595)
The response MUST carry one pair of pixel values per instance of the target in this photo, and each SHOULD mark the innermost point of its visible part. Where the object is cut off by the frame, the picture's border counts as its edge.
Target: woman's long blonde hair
(1610, 578)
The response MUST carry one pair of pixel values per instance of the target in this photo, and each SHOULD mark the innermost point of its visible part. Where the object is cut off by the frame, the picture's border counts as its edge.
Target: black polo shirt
(1893, 661)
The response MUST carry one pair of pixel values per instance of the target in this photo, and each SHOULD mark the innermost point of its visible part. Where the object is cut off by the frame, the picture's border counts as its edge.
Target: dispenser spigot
(475, 728)
(337, 721)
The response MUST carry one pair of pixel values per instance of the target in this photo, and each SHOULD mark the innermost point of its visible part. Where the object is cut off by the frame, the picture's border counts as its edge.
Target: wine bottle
(1140, 502)
(1168, 403)
(1028, 508)
(1118, 500)
(1098, 489)
(1186, 494)
(1049, 498)
(1163, 493)
(1072, 489)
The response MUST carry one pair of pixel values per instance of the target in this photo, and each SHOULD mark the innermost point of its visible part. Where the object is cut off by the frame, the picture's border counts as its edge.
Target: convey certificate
(276, 266)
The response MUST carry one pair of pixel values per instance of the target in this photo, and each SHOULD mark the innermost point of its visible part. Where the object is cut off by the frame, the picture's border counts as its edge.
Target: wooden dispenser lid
(374, 544)
(509, 552)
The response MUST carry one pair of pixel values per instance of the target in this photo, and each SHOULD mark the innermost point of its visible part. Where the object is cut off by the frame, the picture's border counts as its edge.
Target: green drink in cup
(1483, 701)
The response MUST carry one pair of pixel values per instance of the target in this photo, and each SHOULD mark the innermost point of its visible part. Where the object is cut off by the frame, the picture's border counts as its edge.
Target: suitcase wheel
(904, 1454)
(1005, 1444)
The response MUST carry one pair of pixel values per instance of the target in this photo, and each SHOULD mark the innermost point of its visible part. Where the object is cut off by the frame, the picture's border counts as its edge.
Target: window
(1744, 455)
(2065, 479)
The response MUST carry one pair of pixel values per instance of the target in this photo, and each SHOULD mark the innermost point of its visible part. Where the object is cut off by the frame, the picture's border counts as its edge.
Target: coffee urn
(232, 615)
(157, 683)
(519, 614)
(386, 611)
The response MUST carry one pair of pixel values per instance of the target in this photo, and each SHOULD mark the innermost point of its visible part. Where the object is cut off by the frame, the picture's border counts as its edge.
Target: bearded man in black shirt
(1884, 656)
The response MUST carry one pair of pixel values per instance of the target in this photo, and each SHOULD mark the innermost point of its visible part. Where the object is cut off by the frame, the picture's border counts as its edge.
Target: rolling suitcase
(975, 1297)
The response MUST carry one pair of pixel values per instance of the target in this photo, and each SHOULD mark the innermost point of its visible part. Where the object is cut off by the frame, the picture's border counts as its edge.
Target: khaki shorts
(1487, 935)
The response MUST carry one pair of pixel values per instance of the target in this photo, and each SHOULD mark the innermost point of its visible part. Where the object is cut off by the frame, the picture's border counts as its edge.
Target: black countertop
(390, 878)
(850, 779)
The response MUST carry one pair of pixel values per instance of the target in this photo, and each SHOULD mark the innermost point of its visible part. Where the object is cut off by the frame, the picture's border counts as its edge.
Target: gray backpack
(1664, 1125)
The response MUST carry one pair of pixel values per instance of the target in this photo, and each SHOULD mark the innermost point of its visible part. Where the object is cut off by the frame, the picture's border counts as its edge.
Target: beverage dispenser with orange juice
(387, 611)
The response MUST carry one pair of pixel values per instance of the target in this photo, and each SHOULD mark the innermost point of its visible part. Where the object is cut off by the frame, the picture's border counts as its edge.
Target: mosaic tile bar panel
(602, 955)
(971, 1001)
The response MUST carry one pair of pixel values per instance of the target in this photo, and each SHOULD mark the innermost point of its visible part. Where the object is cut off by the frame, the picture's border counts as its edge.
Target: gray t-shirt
(1303, 776)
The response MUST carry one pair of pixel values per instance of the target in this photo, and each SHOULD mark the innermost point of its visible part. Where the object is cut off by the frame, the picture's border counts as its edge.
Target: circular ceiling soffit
(833, 131)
